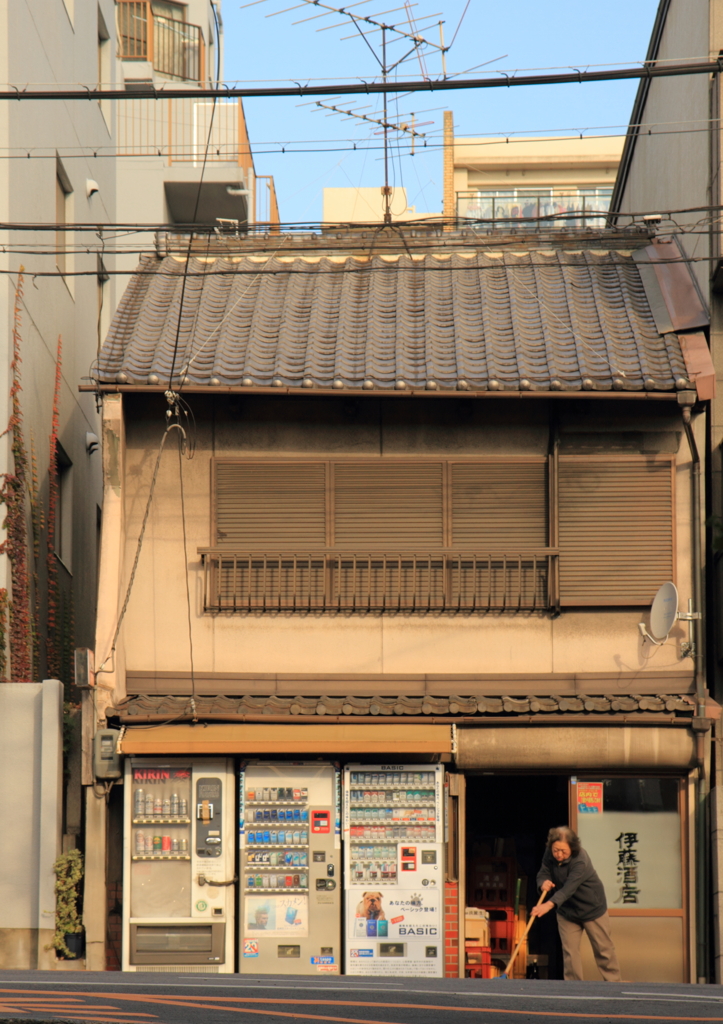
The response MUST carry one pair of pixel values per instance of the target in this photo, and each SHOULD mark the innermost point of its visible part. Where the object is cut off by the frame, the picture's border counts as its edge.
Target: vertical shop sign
(627, 868)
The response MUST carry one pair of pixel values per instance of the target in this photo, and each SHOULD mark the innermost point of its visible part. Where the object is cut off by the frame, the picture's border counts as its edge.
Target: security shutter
(388, 505)
(499, 507)
(615, 529)
(273, 506)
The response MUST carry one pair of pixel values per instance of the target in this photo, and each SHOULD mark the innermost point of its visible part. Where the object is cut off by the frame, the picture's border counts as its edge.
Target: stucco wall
(31, 717)
(155, 632)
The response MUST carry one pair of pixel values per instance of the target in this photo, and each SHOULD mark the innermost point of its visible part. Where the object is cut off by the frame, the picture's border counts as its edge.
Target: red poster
(589, 798)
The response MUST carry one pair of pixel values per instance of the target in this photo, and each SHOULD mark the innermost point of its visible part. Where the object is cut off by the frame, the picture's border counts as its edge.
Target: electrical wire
(139, 548)
(510, 80)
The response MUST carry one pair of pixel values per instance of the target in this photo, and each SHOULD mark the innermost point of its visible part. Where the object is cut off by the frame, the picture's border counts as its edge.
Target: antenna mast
(413, 36)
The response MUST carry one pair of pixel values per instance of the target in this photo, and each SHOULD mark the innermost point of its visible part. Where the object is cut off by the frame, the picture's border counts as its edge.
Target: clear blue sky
(532, 34)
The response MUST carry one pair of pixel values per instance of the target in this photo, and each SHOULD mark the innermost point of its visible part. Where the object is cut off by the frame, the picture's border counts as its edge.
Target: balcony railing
(334, 581)
(573, 209)
(175, 48)
(184, 130)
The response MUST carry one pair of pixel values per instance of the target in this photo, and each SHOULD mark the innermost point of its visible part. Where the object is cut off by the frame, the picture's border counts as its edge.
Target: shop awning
(568, 749)
(383, 741)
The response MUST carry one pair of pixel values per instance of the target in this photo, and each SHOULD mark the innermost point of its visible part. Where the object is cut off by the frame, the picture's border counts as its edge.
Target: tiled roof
(544, 319)
(221, 707)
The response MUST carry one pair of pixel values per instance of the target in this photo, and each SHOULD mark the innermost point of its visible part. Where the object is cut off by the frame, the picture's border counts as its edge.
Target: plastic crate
(478, 961)
(492, 882)
(502, 929)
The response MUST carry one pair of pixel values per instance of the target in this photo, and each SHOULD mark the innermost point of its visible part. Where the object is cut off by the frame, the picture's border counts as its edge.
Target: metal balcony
(334, 581)
(174, 48)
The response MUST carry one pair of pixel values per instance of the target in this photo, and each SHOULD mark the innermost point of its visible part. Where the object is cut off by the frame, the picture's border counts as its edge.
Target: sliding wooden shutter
(383, 505)
(271, 506)
(499, 507)
(616, 529)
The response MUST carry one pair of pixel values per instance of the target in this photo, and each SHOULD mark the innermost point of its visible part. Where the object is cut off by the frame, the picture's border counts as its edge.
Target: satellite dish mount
(663, 616)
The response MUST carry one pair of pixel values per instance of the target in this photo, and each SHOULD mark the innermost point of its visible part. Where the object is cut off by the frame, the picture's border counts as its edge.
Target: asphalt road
(197, 999)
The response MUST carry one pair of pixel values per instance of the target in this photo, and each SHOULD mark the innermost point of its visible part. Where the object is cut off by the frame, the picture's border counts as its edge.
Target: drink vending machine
(178, 876)
(394, 869)
(289, 868)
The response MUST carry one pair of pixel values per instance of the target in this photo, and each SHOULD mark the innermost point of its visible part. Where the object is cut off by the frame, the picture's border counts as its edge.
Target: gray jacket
(579, 895)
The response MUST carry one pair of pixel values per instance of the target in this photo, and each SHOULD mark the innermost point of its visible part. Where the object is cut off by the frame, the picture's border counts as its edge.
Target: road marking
(202, 1003)
(675, 995)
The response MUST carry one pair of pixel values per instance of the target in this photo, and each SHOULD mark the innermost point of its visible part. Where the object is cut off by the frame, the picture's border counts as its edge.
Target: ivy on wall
(13, 494)
(20, 610)
(55, 625)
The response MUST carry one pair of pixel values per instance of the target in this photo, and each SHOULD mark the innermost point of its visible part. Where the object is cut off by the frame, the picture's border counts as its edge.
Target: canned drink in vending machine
(140, 842)
(139, 803)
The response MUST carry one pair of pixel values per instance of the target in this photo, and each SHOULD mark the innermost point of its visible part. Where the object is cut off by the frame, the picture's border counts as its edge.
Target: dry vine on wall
(15, 546)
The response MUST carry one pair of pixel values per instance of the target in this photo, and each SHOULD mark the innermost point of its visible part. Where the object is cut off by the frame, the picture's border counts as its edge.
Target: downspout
(700, 722)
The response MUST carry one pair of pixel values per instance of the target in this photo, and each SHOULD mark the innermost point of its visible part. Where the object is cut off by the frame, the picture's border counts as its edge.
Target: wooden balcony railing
(333, 581)
(175, 48)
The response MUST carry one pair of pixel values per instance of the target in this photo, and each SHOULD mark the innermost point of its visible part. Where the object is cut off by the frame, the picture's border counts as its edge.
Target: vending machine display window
(179, 855)
(394, 833)
(289, 839)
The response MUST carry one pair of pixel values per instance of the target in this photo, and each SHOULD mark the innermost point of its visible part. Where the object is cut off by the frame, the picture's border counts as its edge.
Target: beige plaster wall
(155, 633)
(491, 163)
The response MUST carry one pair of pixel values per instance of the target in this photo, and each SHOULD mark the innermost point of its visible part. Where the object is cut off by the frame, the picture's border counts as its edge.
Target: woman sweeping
(579, 899)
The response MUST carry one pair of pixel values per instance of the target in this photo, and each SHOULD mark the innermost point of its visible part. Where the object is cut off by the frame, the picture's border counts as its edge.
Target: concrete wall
(52, 42)
(491, 163)
(31, 749)
(155, 631)
(671, 166)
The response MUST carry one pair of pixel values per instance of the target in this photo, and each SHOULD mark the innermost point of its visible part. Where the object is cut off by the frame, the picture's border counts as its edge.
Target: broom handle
(517, 948)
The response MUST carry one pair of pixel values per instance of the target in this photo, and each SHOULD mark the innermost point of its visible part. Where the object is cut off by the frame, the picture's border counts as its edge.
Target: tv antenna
(663, 616)
(405, 31)
(408, 127)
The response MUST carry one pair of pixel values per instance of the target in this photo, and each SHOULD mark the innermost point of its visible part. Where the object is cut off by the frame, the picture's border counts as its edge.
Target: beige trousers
(598, 932)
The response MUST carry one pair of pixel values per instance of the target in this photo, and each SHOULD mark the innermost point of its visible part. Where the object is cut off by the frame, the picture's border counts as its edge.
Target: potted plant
(68, 939)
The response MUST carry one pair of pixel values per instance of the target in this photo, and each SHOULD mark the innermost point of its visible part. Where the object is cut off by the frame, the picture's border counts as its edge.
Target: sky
(514, 34)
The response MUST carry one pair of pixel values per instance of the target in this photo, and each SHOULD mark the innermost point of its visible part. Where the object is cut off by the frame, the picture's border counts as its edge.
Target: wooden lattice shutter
(615, 529)
(499, 507)
(271, 506)
(388, 505)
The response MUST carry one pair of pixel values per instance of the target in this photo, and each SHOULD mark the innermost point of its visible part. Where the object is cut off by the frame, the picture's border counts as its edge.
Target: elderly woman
(579, 899)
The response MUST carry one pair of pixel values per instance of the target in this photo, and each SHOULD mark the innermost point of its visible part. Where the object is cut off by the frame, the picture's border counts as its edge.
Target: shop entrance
(508, 818)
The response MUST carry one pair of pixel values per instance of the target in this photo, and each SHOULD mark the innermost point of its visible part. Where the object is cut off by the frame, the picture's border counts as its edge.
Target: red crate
(502, 929)
(478, 961)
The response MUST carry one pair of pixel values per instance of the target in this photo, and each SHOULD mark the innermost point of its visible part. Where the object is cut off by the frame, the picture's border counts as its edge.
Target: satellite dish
(664, 611)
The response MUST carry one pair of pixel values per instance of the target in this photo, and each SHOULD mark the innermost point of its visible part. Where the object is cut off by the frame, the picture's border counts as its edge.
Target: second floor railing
(377, 582)
(175, 48)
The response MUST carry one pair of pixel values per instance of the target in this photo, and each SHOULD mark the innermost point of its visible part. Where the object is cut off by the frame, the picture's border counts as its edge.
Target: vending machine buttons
(320, 822)
(408, 855)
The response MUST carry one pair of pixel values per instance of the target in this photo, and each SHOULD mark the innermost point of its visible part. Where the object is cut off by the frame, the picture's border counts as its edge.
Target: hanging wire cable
(139, 547)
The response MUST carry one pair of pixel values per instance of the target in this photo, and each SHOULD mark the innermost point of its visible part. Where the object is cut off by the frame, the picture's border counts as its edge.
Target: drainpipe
(701, 724)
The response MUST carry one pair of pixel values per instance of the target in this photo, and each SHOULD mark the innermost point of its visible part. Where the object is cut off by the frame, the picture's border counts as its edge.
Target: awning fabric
(571, 749)
(386, 742)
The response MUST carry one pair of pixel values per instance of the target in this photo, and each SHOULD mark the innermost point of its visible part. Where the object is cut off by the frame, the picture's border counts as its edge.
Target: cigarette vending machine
(289, 868)
(179, 853)
(394, 870)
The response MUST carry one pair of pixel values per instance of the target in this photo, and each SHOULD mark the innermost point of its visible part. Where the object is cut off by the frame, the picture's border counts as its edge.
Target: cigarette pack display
(393, 831)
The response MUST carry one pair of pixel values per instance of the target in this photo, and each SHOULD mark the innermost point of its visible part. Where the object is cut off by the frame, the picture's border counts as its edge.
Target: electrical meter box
(106, 759)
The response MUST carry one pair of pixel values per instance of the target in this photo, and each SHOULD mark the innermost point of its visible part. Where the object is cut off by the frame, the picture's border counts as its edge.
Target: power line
(198, 229)
(647, 71)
